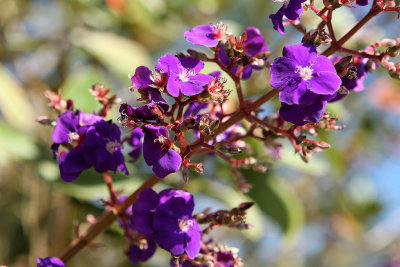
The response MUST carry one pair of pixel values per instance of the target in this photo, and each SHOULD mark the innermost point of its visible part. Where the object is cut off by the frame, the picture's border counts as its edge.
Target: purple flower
(137, 254)
(255, 43)
(136, 142)
(49, 262)
(183, 75)
(298, 113)
(302, 75)
(102, 148)
(206, 35)
(176, 230)
(291, 9)
(157, 152)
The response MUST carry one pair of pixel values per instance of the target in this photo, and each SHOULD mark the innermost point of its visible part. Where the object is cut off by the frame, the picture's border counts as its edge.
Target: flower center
(161, 139)
(111, 146)
(186, 73)
(73, 136)
(185, 224)
(305, 73)
(220, 30)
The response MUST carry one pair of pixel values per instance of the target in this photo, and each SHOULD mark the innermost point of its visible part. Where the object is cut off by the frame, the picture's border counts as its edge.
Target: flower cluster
(92, 142)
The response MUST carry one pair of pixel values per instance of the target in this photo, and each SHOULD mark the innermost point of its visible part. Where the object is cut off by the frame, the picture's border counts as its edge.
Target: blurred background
(341, 209)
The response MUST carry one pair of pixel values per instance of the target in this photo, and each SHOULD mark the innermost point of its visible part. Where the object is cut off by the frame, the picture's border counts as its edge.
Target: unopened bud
(393, 51)
(187, 123)
(197, 54)
(343, 90)
(317, 37)
(230, 149)
(343, 65)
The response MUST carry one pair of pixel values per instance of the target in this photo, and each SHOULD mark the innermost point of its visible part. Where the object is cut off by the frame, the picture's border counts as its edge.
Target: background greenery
(341, 209)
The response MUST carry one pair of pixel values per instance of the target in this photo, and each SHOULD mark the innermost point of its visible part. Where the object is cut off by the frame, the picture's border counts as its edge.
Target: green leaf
(15, 144)
(121, 55)
(14, 104)
(279, 201)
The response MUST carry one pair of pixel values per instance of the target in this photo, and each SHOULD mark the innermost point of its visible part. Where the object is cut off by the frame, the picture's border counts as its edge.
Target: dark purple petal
(223, 57)
(191, 63)
(49, 262)
(136, 254)
(277, 20)
(71, 164)
(302, 54)
(246, 73)
(168, 163)
(316, 110)
(295, 114)
(168, 194)
(294, 9)
(141, 79)
(204, 35)
(194, 108)
(66, 123)
(254, 43)
(143, 211)
(294, 93)
(283, 72)
(136, 143)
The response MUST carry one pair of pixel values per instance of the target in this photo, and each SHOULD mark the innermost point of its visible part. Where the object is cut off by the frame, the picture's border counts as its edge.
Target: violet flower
(93, 142)
(302, 75)
(102, 148)
(291, 9)
(207, 35)
(143, 211)
(176, 230)
(183, 75)
(49, 262)
(157, 152)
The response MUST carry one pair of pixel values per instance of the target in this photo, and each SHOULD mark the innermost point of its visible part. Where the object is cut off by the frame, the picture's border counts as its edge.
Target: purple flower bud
(49, 262)
(136, 143)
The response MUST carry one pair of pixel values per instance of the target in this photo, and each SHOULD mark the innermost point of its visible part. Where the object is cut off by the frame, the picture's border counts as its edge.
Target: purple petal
(362, 2)
(283, 72)
(223, 57)
(293, 94)
(204, 35)
(254, 43)
(324, 83)
(49, 262)
(174, 85)
(66, 123)
(295, 114)
(194, 242)
(277, 20)
(294, 9)
(141, 79)
(196, 84)
(192, 63)
(136, 254)
(316, 111)
(302, 54)
(170, 162)
(169, 64)
(71, 164)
